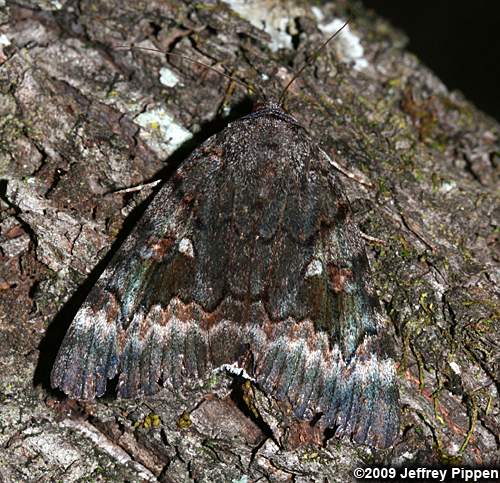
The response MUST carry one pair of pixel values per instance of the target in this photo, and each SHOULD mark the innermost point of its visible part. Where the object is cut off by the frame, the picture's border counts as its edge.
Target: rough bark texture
(80, 120)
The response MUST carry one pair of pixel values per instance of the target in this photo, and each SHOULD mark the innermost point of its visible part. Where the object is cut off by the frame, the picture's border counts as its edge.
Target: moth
(248, 255)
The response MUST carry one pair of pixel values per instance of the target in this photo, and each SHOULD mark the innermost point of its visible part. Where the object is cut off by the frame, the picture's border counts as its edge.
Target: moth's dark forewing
(248, 254)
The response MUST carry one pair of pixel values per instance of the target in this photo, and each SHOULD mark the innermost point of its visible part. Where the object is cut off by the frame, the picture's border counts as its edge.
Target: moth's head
(267, 104)
(270, 108)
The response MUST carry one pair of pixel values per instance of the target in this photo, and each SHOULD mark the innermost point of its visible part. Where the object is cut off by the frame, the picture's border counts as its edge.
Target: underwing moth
(248, 255)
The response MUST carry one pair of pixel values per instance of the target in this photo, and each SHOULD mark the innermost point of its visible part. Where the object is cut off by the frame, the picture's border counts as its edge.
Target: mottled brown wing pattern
(248, 255)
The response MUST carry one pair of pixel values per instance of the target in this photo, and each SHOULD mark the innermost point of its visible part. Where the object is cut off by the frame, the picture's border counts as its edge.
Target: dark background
(459, 41)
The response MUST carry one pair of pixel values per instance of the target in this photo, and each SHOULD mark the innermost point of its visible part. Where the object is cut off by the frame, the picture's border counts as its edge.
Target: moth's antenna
(309, 62)
(194, 61)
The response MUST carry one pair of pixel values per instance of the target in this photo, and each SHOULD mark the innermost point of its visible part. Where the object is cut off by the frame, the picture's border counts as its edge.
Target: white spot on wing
(314, 268)
(455, 367)
(186, 247)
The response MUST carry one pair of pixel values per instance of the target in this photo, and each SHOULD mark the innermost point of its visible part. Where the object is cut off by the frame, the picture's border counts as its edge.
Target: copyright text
(429, 474)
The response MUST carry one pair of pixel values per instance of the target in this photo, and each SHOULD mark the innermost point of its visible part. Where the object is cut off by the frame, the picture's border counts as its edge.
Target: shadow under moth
(248, 254)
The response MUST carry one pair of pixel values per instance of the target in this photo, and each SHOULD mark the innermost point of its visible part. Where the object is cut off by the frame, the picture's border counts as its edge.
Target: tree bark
(81, 119)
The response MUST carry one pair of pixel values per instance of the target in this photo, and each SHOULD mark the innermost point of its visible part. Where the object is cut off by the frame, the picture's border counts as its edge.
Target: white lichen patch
(168, 77)
(317, 13)
(186, 247)
(49, 5)
(347, 43)
(275, 18)
(4, 40)
(51, 446)
(447, 186)
(404, 458)
(162, 134)
(314, 269)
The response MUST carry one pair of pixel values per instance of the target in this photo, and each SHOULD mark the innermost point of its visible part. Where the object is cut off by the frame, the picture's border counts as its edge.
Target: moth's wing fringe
(359, 397)
(88, 357)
